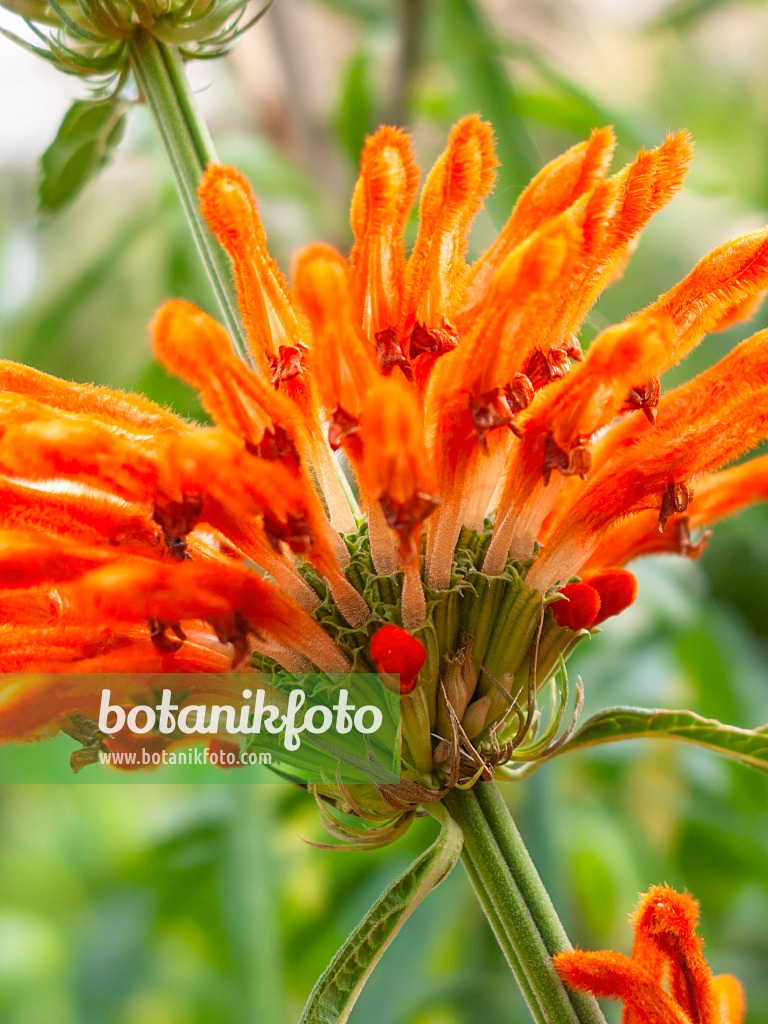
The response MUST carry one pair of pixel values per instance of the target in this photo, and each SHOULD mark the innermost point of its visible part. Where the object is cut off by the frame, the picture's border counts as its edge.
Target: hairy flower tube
(667, 977)
(420, 472)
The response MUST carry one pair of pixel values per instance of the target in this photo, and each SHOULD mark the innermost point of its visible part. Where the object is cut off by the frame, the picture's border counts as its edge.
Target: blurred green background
(180, 904)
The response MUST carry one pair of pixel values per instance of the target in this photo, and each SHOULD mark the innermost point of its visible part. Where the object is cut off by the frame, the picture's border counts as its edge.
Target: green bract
(93, 37)
(493, 689)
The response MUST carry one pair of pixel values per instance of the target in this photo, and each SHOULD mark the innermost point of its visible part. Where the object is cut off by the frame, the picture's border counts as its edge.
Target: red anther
(617, 589)
(582, 608)
(397, 652)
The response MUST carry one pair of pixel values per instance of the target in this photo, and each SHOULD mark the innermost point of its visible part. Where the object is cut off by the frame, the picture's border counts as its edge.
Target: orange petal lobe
(276, 332)
(343, 365)
(133, 412)
(610, 975)
(556, 187)
(729, 996)
(396, 468)
(452, 196)
(193, 346)
(723, 287)
(666, 920)
(381, 203)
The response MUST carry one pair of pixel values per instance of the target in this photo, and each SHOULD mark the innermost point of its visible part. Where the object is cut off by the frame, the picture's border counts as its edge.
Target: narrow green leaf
(336, 992)
(749, 746)
(469, 43)
(360, 10)
(355, 119)
(88, 134)
(33, 9)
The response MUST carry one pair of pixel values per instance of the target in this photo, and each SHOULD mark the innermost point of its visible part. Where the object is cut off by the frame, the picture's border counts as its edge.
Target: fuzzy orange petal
(637, 476)
(396, 469)
(193, 346)
(124, 409)
(665, 921)
(555, 188)
(382, 200)
(716, 496)
(724, 286)
(560, 424)
(79, 514)
(453, 194)
(343, 365)
(276, 329)
(610, 975)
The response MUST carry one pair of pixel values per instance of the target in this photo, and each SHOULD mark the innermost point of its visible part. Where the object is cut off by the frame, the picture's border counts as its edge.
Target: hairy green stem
(188, 146)
(517, 905)
(501, 935)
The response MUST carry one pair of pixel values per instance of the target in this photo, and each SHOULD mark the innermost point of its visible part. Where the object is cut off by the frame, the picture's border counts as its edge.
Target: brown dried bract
(161, 640)
(88, 734)
(234, 629)
(275, 444)
(435, 341)
(543, 368)
(497, 408)
(287, 364)
(405, 516)
(575, 462)
(176, 519)
(389, 353)
(519, 393)
(342, 425)
(687, 547)
(645, 398)
(177, 546)
(573, 349)
(295, 532)
(676, 498)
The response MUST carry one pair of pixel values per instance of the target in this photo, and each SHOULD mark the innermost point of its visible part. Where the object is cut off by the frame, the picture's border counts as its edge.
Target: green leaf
(469, 43)
(361, 10)
(336, 992)
(89, 132)
(354, 119)
(749, 746)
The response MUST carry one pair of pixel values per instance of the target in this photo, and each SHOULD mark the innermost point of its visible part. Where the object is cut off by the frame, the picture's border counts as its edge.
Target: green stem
(517, 905)
(188, 146)
(501, 935)
(532, 889)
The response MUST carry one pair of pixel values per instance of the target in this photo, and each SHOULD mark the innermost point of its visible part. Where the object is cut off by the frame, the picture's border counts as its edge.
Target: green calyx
(93, 37)
(492, 648)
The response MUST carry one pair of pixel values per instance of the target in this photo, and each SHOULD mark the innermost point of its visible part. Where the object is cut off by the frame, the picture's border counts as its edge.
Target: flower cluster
(94, 39)
(420, 471)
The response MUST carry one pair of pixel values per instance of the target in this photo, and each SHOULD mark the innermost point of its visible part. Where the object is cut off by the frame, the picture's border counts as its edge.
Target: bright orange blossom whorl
(485, 464)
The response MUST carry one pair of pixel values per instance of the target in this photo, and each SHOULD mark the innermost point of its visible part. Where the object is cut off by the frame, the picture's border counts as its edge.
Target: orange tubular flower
(488, 470)
(666, 948)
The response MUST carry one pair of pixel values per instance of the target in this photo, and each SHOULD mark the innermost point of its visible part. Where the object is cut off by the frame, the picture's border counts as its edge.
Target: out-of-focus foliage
(83, 144)
(181, 904)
